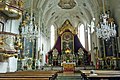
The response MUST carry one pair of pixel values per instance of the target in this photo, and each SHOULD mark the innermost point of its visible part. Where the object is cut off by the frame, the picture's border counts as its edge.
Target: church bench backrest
(24, 78)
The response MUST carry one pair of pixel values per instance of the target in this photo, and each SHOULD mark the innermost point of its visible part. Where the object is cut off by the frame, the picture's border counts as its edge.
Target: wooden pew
(36, 72)
(101, 74)
(26, 75)
(24, 79)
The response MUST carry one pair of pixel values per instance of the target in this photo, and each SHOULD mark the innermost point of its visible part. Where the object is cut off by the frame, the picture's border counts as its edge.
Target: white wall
(45, 43)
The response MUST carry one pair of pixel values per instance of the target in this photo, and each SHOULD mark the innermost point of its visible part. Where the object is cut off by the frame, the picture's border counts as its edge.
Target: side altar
(68, 48)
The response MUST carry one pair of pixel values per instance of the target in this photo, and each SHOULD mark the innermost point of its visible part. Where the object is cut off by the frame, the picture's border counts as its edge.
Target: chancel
(59, 39)
(69, 48)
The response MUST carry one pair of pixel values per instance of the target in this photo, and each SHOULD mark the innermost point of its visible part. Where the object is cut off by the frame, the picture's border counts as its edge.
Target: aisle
(69, 76)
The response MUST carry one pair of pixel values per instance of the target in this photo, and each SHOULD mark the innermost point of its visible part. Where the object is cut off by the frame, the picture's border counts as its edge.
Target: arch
(52, 35)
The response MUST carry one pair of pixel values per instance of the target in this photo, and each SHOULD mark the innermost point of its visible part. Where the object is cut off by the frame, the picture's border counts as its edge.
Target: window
(92, 26)
(52, 36)
(81, 34)
(89, 41)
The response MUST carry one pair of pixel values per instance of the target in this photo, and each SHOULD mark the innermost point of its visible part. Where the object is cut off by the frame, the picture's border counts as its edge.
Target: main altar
(68, 67)
(68, 51)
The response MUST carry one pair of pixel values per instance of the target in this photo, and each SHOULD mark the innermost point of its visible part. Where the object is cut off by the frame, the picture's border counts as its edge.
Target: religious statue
(80, 56)
(80, 53)
(55, 53)
(29, 64)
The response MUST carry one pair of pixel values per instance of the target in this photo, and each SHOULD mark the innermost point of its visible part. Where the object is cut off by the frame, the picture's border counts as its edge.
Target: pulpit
(68, 67)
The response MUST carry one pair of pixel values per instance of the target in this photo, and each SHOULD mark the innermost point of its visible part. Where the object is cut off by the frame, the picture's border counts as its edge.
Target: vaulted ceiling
(49, 12)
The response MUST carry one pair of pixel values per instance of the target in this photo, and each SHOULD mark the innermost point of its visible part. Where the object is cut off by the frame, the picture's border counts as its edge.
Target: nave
(57, 75)
(59, 39)
(69, 76)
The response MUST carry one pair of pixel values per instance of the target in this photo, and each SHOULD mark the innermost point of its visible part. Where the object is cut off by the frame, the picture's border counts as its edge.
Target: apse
(68, 47)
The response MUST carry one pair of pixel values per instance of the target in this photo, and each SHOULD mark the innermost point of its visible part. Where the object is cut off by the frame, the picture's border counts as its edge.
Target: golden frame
(67, 26)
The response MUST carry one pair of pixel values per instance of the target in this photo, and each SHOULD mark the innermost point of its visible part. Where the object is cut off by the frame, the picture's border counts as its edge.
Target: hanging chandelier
(106, 28)
(29, 28)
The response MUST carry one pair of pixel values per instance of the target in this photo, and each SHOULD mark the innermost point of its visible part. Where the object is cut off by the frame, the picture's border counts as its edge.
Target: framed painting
(67, 41)
(28, 48)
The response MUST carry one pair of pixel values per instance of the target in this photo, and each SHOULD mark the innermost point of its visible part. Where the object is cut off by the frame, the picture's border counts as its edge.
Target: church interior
(59, 40)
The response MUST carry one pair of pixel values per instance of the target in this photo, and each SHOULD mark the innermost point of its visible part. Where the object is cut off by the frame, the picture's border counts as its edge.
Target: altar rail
(29, 75)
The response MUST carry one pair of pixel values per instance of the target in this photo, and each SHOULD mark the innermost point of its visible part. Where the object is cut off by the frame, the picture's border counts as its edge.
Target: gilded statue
(1, 40)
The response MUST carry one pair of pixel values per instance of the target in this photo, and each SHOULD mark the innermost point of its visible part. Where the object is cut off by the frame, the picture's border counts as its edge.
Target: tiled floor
(69, 76)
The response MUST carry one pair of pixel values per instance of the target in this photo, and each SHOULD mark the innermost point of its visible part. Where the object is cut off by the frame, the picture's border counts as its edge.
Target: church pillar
(92, 54)
(86, 38)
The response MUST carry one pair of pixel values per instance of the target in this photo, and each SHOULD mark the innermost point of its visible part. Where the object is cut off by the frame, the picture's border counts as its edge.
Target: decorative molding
(67, 26)
(67, 4)
(11, 8)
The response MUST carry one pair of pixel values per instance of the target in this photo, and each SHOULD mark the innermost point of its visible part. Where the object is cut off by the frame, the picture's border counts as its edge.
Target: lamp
(106, 28)
(29, 28)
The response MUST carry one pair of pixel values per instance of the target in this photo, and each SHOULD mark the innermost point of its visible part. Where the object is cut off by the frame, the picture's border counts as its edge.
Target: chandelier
(106, 28)
(29, 28)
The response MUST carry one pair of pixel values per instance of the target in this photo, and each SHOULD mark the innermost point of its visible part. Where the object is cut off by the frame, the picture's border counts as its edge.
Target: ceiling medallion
(67, 4)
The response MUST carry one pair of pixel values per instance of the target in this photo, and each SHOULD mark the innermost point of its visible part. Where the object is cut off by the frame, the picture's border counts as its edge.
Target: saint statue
(80, 53)
(55, 53)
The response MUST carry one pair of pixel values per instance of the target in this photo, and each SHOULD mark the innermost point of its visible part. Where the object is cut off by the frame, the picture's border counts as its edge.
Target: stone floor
(69, 76)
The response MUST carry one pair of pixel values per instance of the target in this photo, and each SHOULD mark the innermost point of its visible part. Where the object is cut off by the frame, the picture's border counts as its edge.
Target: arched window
(52, 36)
(92, 26)
(81, 34)
(89, 41)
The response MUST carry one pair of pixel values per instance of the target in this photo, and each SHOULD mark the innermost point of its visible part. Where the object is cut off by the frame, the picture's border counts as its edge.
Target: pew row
(101, 74)
(24, 79)
(29, 75)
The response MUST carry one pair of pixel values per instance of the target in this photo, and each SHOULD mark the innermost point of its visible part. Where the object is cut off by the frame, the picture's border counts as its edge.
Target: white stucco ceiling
(50, 13)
